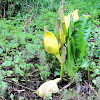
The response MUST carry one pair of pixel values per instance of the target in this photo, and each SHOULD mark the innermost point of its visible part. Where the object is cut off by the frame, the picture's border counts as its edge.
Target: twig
(92, 88)
(20, 85)
(19, 90)
(67, 85)
(29, 95)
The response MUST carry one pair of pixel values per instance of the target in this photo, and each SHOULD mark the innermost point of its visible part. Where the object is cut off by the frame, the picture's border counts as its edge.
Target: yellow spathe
(75, 15)
(67, 21)
(50, 43)
(48, 87)
(67, 18)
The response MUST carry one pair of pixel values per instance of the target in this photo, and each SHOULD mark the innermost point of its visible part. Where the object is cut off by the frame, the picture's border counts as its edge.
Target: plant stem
(57, 35)
(69, 51)
(61, 72)
(64, 28)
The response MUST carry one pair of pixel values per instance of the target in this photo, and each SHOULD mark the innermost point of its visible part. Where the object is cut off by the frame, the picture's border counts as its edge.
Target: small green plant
(96, 81)
(3, 84)
(68, 94)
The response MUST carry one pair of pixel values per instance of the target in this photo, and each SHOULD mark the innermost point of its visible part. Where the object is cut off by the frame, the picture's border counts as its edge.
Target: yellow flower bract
(67, 18)
(75, 15)
(51, 43)
(67, 21)
(48, 87)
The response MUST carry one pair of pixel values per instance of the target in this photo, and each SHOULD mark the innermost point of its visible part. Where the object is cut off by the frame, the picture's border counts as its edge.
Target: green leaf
(72, 46)
(21, 72)
(12, 96)
(1, 50)
(69, 50)
(9, 73)
(84, 64)
(97, 71)
(84, 26)
(79, 45)
(6, 63)
(57, 72)
(13, 45)
(3, 84)
(17, 69)
(16, 58)
(14, 79)
(23, 65)
(87, 31)
(81, 24)
(29, 66)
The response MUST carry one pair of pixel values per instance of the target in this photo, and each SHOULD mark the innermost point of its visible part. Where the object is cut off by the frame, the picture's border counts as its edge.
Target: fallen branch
(20, 85)
(67, 85)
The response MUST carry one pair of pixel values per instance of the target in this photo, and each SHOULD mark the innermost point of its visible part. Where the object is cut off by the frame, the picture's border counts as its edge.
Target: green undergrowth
(17, 47)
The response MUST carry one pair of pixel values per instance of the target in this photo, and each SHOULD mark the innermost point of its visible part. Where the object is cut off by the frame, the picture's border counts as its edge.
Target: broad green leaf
(84, 26)
(72, 46)
(70, 64)
(79, 45)
(81, 24)
(69, 50)
(87, 30)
